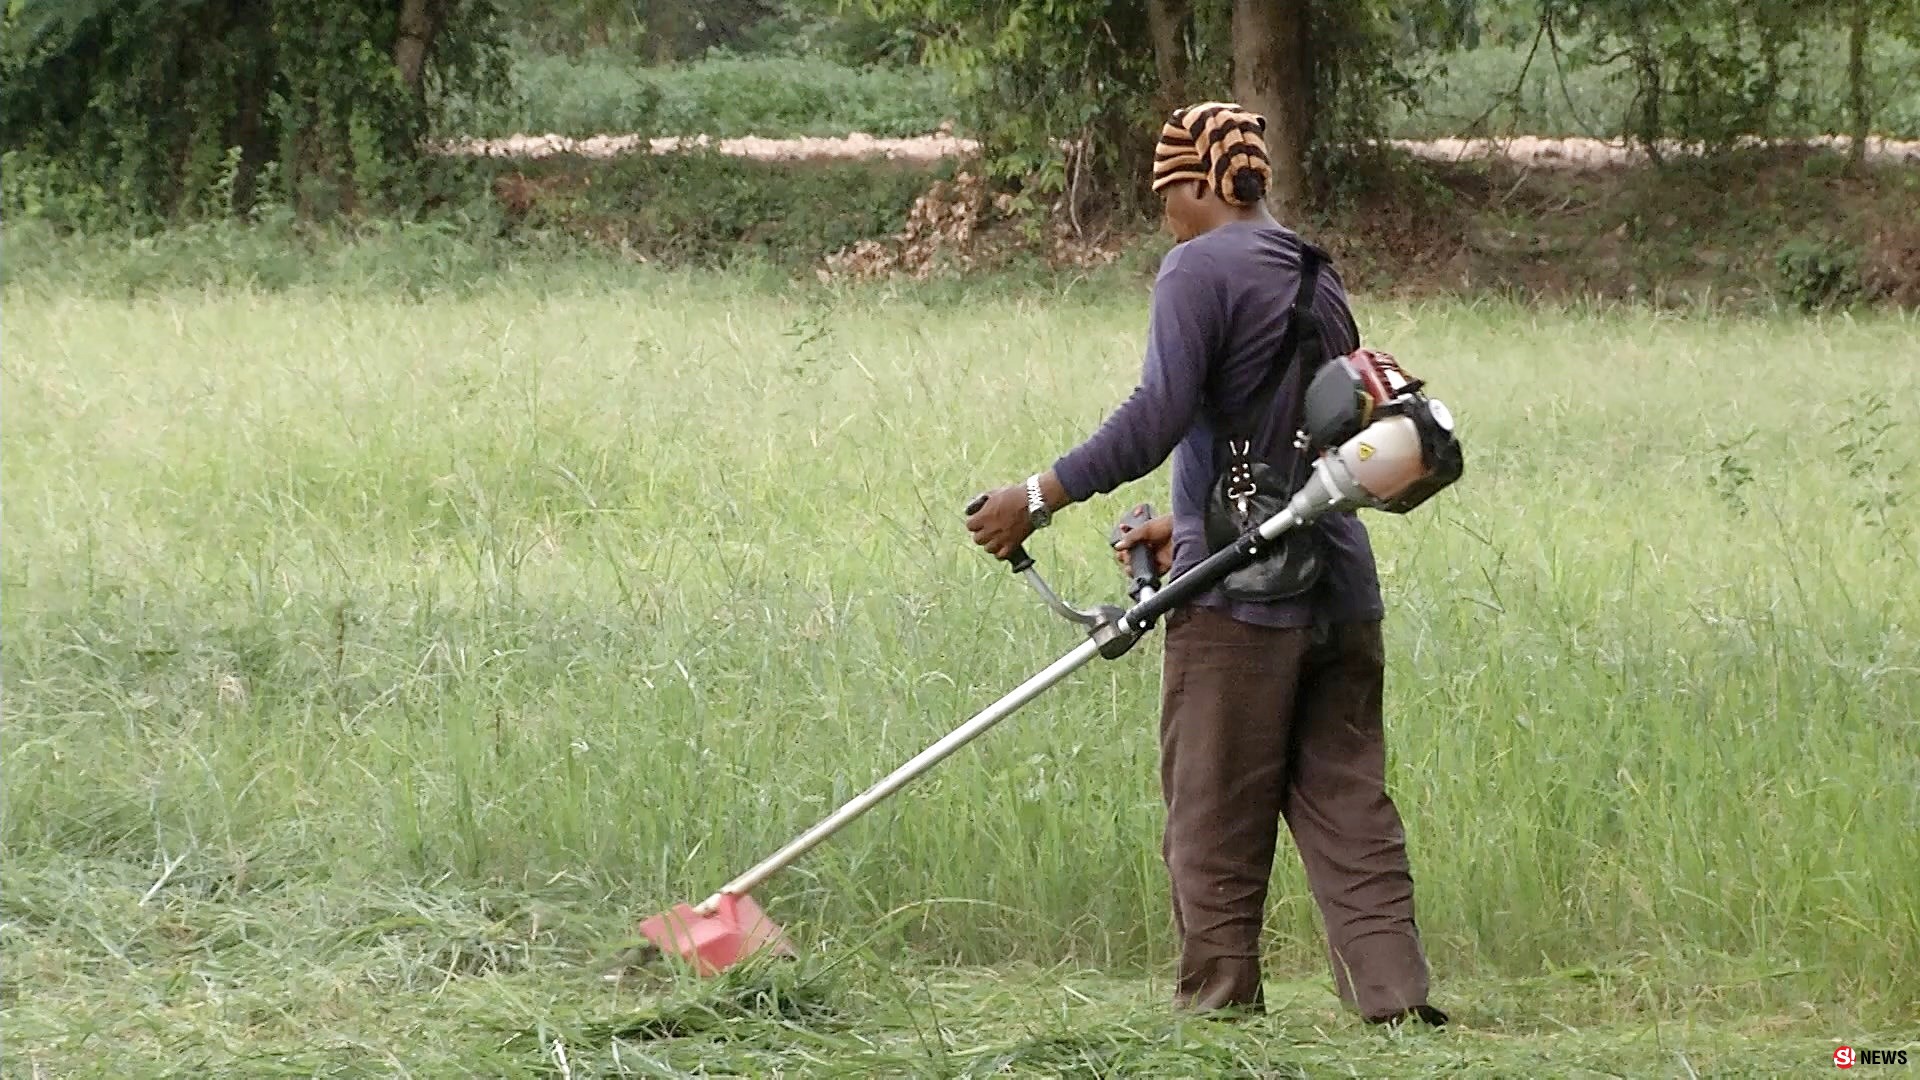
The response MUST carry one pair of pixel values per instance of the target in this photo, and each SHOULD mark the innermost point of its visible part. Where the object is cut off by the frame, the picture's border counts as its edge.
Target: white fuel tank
(1384, 459)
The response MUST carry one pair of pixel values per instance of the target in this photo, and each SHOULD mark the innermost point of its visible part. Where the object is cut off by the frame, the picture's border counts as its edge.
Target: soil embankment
(1538, 216)
(1522, 149)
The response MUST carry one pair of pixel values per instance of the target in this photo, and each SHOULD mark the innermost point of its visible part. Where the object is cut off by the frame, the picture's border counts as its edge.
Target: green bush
(709, 208)
(554, 95)
(152, 110)
(47, 188)
(604, 92)
(1573, 99)
(686, 210)
(438, 257)
(1819, 274)
(729, 97)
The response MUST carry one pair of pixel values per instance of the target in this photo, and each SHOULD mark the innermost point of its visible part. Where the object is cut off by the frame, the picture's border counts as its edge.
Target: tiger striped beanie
(1215, 142)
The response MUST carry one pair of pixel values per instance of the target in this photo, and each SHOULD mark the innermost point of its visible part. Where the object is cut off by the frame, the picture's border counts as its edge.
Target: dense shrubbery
(1486, 85)
(708, 207)
(695, 209)
(113, 113)
(1787, 234)
(605, 92)
(153, 146)
(147, 109)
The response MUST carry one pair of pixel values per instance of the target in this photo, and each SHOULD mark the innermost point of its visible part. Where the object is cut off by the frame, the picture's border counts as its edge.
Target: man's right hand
(1157, 534)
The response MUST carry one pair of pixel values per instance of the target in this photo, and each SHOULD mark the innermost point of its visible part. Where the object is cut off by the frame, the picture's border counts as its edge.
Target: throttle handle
(1140, 568)
(1020, 560)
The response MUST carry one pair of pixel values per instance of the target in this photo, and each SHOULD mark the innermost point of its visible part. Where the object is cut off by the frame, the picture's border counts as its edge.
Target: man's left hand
(1001, 523)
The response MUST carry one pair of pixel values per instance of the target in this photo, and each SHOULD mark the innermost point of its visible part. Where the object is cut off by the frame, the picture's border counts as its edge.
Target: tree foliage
(164, 107)
(1058, 90)
(661, 30)
(1075, 89)
(1704, 72)
(1710, 73)
(1041, 76)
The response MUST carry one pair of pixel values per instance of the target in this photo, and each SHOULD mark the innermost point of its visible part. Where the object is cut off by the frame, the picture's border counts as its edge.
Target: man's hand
(1001, 523)
(1157, 534)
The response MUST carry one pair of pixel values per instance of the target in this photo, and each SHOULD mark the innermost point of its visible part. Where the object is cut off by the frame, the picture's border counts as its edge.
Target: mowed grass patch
(416, 982)
(344, 634)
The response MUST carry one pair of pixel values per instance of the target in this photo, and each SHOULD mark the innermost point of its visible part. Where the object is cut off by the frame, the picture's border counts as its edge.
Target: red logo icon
(1843, 1057)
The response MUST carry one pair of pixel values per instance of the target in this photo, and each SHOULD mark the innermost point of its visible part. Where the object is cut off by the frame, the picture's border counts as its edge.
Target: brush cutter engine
(1395, 443)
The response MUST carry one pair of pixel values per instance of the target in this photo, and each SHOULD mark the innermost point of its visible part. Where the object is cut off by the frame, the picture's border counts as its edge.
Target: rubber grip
(1140, 567)
(1020, 560)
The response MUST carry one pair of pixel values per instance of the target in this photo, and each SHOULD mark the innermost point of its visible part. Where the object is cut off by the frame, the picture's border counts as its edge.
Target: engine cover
(1412, 458)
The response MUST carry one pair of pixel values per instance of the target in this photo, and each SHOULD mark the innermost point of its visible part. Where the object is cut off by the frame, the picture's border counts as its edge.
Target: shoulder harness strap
(1302, 349)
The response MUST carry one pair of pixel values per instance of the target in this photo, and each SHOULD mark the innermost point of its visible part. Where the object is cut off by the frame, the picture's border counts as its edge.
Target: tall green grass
(607, 586)
(610, 91)
(1495, 87)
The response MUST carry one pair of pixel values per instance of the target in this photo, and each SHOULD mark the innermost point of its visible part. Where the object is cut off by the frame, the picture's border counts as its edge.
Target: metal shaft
(897, 779)
(1284, 521)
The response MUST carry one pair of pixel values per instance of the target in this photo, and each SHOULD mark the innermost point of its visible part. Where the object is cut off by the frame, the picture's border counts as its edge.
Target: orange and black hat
(1214, 142)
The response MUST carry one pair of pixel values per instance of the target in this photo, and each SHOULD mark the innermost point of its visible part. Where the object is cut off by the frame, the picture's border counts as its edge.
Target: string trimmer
(1379, 444)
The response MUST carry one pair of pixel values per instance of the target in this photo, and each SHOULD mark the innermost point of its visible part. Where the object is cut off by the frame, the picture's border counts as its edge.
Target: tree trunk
(252, 31)
(1857, 103)
(1273, 76)
(663, 25)
(419, 23)
(1169, 22)
(1118, 169)
(1647, 123)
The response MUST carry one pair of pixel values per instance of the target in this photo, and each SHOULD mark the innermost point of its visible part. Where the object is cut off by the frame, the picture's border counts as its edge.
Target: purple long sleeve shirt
(1221, 304)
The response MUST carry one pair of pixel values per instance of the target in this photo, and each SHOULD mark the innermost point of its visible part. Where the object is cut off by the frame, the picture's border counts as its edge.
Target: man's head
(1211, 167)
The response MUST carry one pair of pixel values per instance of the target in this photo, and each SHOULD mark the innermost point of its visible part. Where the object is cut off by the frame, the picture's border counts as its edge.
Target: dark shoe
(1230, 1012)
(1221, 989)
(1427, 1014)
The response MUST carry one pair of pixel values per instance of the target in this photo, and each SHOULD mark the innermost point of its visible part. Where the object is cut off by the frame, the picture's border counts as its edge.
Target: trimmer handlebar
(1140, 570)
(1018, 559)
(1102, 622)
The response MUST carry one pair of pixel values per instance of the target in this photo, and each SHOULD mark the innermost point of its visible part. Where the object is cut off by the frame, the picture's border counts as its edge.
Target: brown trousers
(1259, 725)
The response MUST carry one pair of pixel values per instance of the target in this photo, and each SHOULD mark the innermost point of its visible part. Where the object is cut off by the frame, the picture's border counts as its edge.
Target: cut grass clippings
(432, 981)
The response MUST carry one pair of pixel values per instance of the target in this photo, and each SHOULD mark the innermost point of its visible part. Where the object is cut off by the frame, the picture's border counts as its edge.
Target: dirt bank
(926, 148)
(1524, 149)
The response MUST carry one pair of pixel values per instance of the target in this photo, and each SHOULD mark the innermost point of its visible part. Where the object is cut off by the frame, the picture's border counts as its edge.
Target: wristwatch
(1038, 516)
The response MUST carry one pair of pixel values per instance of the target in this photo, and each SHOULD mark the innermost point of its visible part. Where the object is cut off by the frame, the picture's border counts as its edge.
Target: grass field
(371, 665)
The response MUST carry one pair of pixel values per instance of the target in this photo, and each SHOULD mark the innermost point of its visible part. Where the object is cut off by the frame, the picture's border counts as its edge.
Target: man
(1269, 710)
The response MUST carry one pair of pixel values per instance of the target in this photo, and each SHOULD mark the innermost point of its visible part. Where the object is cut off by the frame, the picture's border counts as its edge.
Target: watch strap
(1036, 504)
